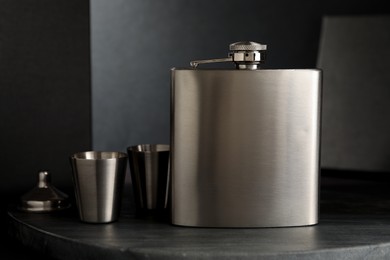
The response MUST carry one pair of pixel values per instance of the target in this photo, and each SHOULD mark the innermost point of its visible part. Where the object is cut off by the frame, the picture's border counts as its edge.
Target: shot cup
(98, 179)
(149, 170)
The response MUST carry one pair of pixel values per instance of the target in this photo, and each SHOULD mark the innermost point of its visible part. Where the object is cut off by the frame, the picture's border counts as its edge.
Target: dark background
(45, 101)
(356, 93)
(78, 75)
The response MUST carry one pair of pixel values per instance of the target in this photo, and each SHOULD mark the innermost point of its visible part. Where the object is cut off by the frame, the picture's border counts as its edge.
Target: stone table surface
(354, 224)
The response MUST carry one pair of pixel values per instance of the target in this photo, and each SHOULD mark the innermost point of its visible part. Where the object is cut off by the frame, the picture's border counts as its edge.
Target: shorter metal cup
(98, 179)
(149, 169)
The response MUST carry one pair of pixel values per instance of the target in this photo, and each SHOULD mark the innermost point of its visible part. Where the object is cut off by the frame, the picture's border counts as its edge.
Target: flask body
(245, 147)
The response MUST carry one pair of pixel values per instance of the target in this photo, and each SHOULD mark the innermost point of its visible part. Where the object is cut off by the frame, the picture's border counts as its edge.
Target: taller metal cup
(98, 179)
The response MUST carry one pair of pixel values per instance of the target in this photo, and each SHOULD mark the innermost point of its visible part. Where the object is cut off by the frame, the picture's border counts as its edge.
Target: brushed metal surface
(245, 147)
(98, 179)
(44, 197)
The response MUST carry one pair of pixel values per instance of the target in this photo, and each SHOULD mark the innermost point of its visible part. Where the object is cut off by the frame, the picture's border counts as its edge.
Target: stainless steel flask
(245, 143)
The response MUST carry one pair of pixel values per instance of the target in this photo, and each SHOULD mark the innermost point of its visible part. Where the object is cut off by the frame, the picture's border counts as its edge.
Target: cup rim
(98, 155)
(148, 148)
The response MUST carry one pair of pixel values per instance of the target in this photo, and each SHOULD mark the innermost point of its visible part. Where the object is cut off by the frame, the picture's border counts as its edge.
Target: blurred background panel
(354, 55)
(45, 99)
(45, 85)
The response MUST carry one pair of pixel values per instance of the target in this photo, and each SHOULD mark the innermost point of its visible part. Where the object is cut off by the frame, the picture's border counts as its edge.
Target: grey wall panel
(354, 56)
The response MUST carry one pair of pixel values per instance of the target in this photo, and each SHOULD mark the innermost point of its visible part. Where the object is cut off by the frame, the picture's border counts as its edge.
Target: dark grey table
(354, 224)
